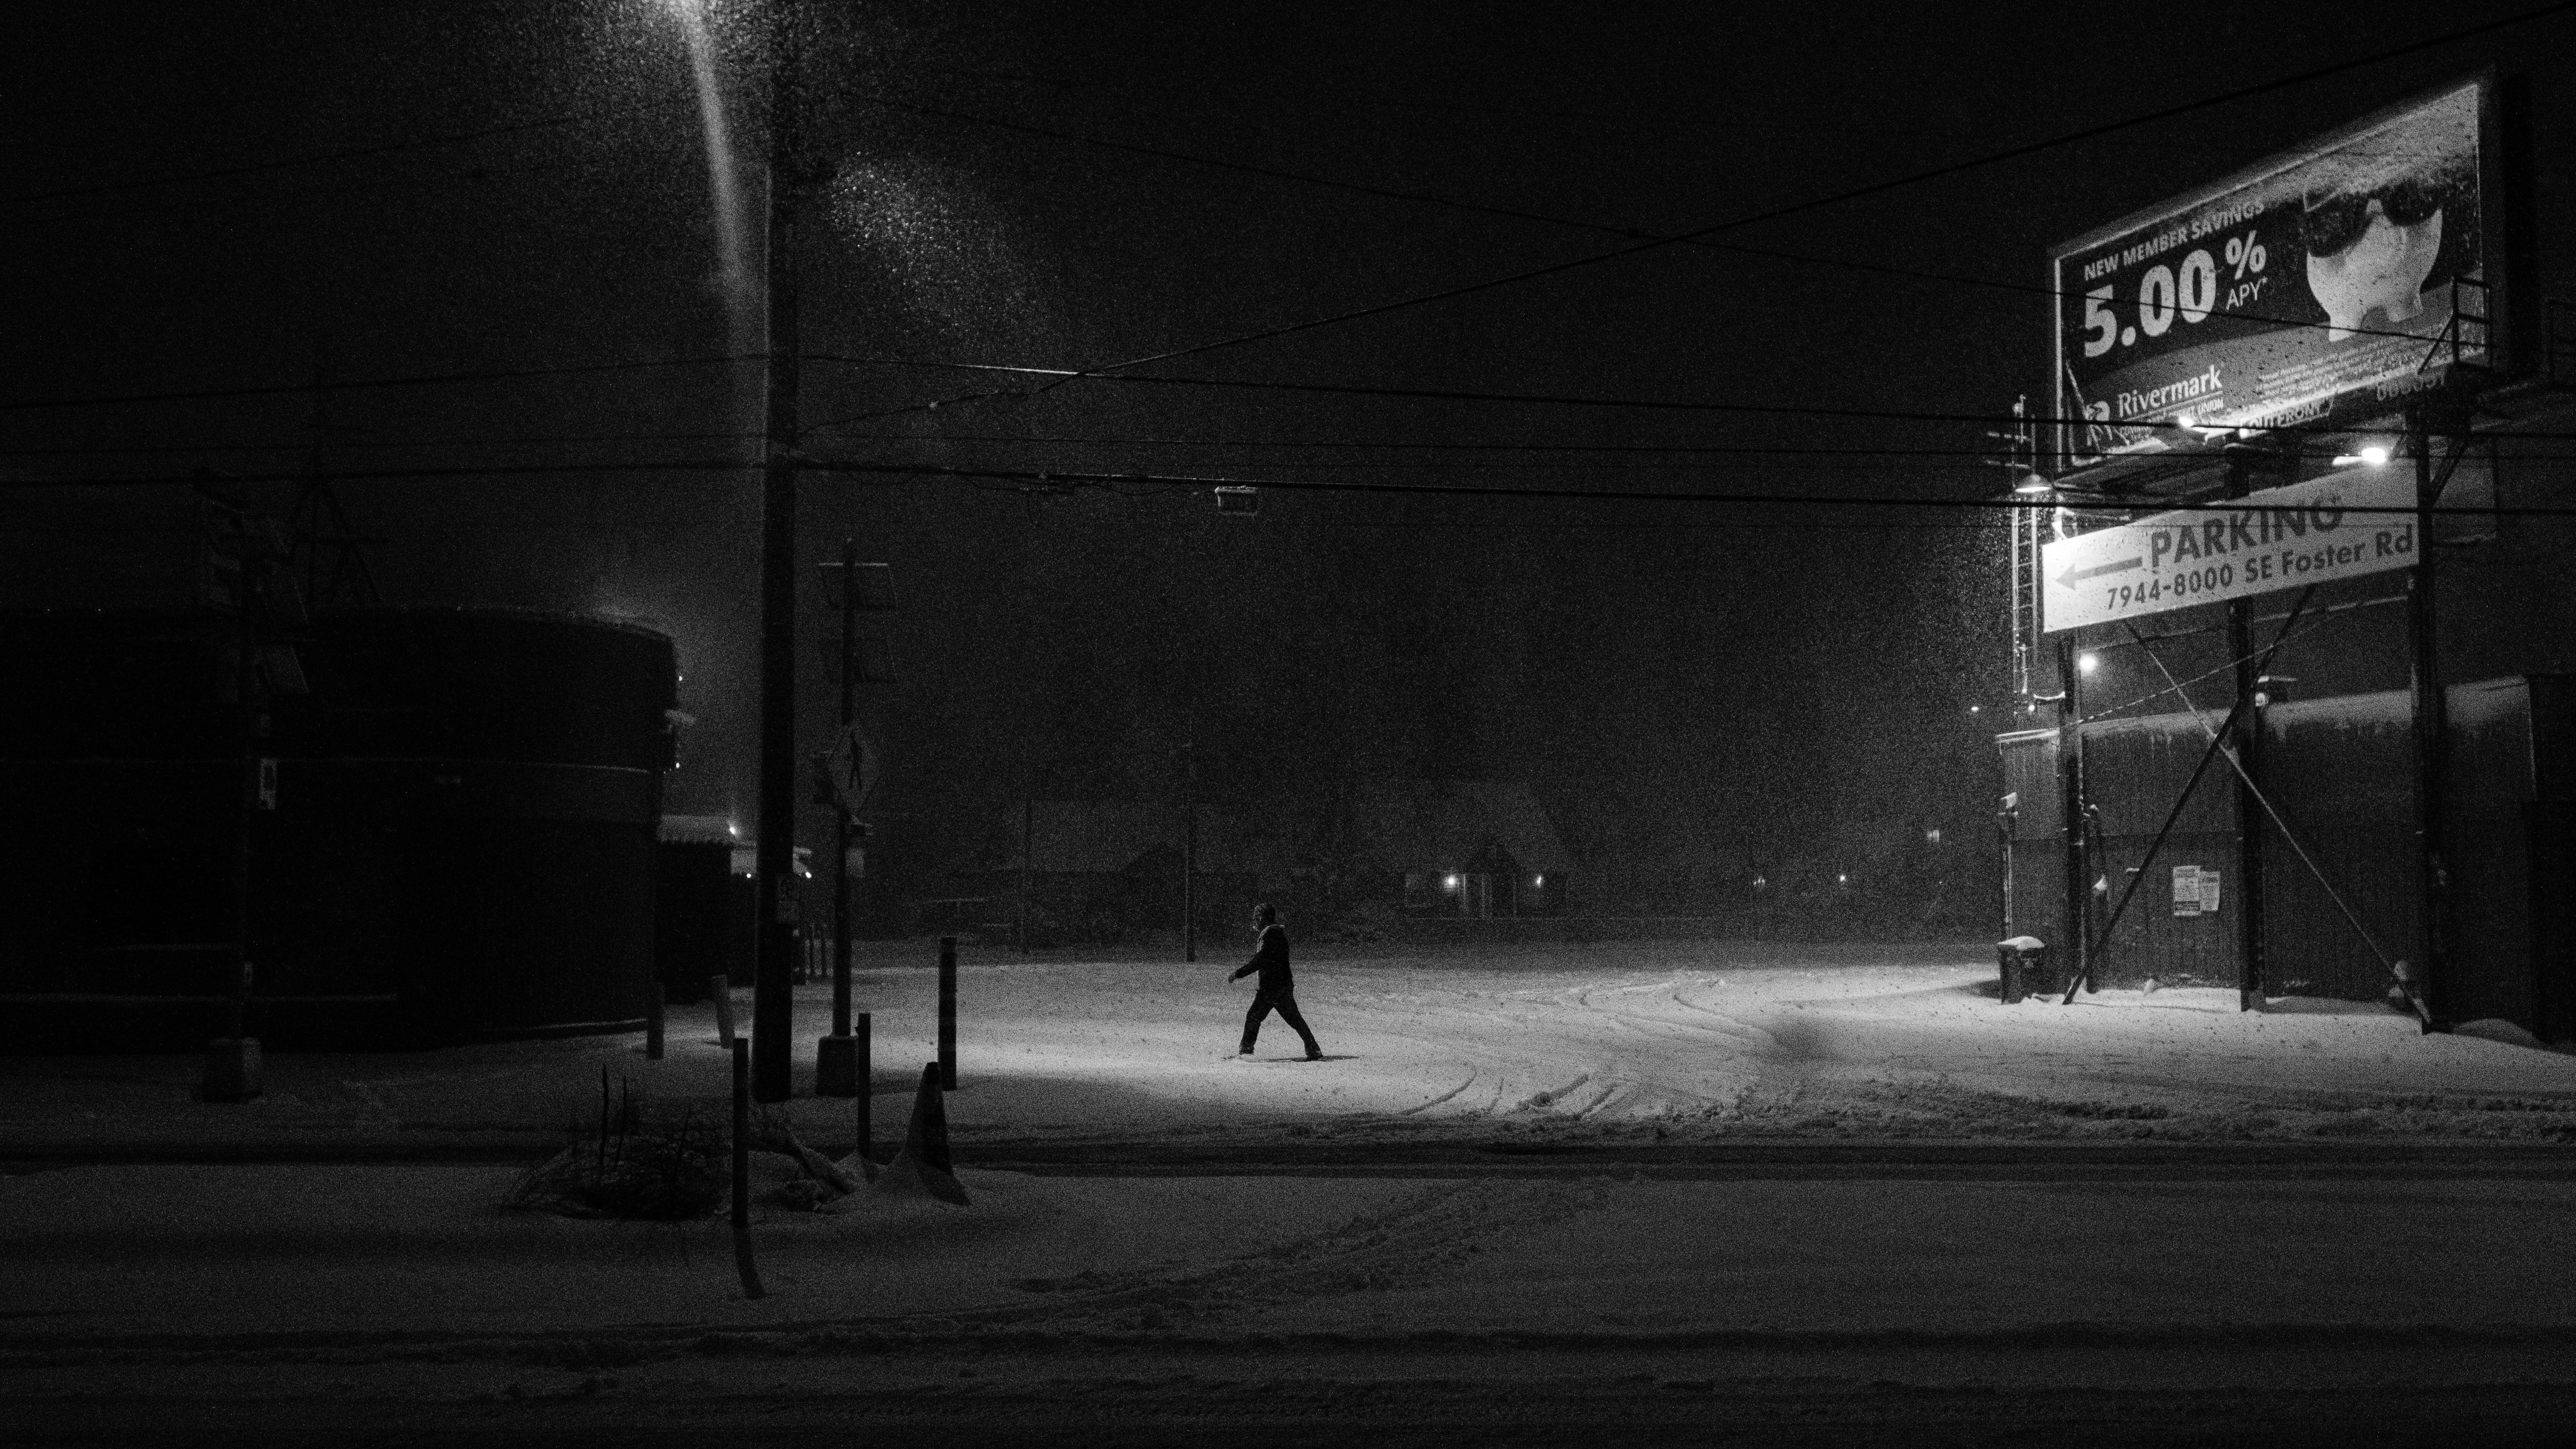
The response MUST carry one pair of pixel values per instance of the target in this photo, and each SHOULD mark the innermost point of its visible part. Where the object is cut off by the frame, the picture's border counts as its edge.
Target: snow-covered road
(1696, 1040)
(1608, 1043)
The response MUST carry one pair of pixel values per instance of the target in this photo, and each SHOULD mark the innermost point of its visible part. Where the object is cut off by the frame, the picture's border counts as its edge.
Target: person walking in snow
(1278, 990)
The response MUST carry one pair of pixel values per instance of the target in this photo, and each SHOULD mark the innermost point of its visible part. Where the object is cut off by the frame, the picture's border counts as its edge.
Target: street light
(773, 1002)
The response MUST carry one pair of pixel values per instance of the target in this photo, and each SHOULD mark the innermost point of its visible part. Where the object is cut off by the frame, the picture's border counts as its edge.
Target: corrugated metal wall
(2037, 855)
(2134, 771)
(2341, 772)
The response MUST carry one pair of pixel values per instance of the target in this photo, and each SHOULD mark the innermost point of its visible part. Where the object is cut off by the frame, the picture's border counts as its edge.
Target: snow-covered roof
(1105, 837)
(697, 830)
(1442, 824)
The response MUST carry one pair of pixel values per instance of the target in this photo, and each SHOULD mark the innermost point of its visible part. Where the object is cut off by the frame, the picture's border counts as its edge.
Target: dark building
(1103, 871)
(458, 839)
(1466, 847)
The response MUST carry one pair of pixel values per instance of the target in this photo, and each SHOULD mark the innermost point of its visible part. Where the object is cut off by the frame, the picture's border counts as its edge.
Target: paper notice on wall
(2195, 890)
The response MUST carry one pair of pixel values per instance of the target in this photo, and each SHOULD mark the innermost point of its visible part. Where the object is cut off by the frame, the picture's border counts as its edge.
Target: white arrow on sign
(2279, 538)
(2072, 577)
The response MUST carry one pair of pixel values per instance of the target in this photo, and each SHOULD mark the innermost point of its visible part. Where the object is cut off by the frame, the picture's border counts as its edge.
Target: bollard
(653, 1023)
(721, 988)
(2020, 960)
(232, 1072)
(835, 1066)
(948, 1013)
(742, 1170)
(866, 1093)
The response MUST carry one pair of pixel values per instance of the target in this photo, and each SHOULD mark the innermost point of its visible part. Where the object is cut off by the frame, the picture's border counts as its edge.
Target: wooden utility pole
(836, 1057)
(773, 1002)
(1190, 859)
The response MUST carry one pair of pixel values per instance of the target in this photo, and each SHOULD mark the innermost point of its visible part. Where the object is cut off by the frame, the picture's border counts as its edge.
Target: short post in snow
(232, 1071)
(862, 1071)
(948, 1013)
(742, 1171)
(721, 988)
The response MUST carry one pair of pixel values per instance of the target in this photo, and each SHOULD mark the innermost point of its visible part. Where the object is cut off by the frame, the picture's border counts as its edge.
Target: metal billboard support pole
(2249, 759)
(2070, 795)
(2425, 682)
(773, 1001)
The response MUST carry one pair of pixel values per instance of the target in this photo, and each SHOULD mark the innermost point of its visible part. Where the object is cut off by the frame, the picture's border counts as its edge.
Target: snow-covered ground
(1617, 1042)
(391, 1296)
(1700, 1040)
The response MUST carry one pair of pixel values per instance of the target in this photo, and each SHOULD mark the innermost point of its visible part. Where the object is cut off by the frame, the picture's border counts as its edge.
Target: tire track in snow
(1609, 1090)
(1443, 1097)
(1536, 1100)
(1734, 1025)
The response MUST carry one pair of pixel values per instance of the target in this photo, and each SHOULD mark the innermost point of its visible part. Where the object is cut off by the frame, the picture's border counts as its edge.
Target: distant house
(1101, 870)
(1465, 847)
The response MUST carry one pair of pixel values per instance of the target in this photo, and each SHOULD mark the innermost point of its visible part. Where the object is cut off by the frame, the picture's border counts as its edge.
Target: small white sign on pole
(2279, 538)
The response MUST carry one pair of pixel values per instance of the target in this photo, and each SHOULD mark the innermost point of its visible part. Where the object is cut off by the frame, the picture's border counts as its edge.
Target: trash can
(2024, 960)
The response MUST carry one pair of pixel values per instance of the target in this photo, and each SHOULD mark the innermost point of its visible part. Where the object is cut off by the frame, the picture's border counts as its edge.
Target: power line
(1469, 395)
(363, 384)
(1699, 242)
(1681, 456)
(317, 159)
(1661, 449)
(1877, 188)
(340, 446)
(1354, 95)
(1068, 477)
(1073, 478)
(337, 189)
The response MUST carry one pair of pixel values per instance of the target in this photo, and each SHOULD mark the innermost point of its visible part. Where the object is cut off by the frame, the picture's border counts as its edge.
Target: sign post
(850, 771)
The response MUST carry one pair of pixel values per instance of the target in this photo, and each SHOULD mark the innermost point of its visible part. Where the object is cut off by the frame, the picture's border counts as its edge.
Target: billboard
(2308, 289)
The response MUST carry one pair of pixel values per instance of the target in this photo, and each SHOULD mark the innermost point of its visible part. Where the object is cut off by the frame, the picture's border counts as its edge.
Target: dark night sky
(1669, 676)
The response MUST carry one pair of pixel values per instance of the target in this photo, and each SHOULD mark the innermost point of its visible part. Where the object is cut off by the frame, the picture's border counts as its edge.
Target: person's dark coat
(1271, 960)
